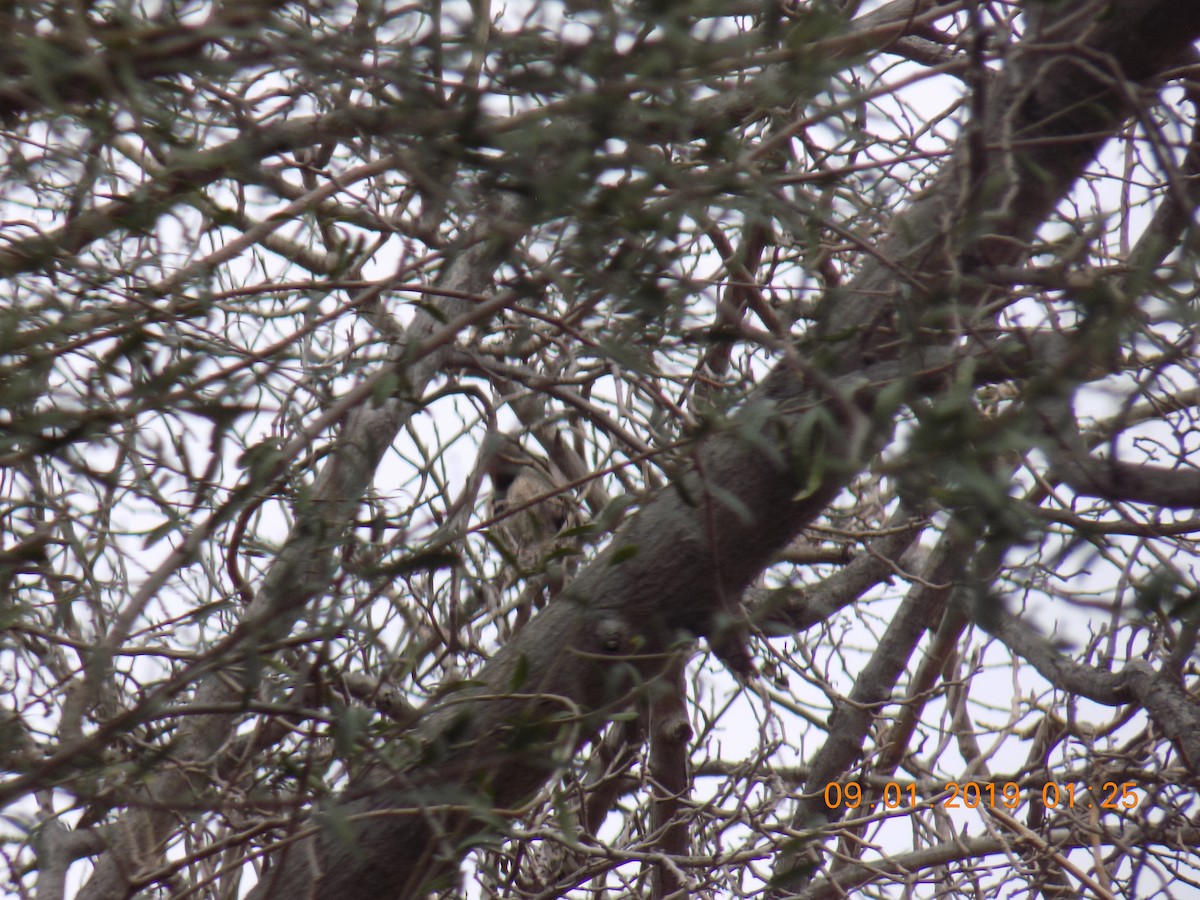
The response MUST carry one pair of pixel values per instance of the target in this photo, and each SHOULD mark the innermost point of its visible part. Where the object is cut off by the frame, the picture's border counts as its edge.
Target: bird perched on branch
(530, 509)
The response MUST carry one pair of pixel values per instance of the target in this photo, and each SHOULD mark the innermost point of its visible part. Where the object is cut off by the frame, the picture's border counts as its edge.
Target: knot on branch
(614, 636)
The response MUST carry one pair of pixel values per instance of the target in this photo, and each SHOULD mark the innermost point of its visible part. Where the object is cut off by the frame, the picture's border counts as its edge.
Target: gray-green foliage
(869, 330)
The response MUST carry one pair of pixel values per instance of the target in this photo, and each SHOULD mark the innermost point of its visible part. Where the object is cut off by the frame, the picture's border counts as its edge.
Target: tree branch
(754, 485)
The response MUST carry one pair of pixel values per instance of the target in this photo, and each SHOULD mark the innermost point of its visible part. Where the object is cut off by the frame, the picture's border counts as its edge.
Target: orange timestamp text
(1111, 795)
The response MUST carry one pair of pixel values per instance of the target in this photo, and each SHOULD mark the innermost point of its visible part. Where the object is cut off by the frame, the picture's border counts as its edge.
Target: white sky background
(1007, 688)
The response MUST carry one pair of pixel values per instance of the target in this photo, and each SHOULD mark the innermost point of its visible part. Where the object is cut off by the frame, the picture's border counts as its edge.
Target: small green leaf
(731, 502)
(520, 673)
(350, 724)
(754, 425)
(629, 356)
(157, 534)
(385, 388)
(816, 475)
(337, 827)
(612, 514)
(622, 554)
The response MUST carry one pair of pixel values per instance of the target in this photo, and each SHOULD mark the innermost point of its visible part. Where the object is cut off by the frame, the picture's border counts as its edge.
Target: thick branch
(1123, 482)
(670, 738)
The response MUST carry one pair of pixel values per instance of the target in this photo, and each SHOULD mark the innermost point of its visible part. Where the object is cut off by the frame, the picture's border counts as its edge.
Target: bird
(527, 503)
(529, 508)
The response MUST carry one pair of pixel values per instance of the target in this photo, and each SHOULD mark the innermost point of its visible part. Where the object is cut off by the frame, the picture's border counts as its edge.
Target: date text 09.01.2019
(1111, 795)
